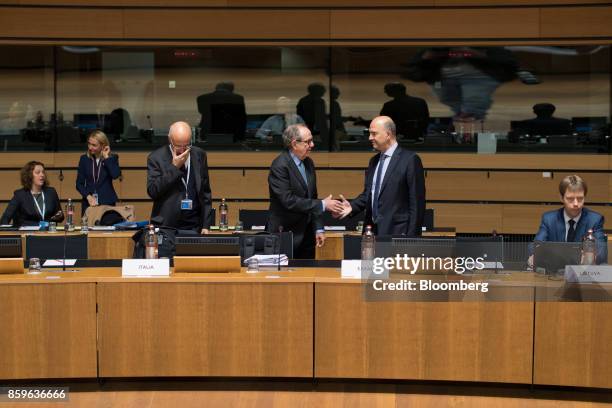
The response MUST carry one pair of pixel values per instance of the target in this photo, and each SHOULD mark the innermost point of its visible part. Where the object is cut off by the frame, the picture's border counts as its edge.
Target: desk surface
(307, 323)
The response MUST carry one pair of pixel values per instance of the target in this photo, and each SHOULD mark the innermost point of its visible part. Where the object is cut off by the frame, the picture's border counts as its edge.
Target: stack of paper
(102, 228)
(269, 260)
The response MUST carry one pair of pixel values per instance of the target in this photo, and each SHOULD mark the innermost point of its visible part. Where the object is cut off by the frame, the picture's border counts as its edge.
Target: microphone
(280, 245)
(65, 239)
(150, 123)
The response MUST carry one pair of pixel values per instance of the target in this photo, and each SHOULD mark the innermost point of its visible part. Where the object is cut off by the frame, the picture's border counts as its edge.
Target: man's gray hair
(292, 133)
(389, 126)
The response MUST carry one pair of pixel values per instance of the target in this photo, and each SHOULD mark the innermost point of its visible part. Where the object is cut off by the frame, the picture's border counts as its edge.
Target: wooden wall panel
(214, 329)
(576, 22)
(349, 159)
(497, 3)
(468, 217)
(420, 340)
(346, 182)
(61, 23)
(133, 185)
(572, 344)
(119, 3)
(451, 23)
(227, 24)
(59, 317)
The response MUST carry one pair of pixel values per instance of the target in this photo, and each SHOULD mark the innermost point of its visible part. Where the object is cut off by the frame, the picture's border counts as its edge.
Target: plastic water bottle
(368, 243)
(223, 215)
(589, 249)
(69, 215)
(151, 243)
(84, 227)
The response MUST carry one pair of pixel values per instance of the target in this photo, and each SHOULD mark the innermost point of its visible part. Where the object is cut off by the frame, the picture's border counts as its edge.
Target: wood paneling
(451, 23)
(48, 330)
(572, 344)
(119, 3)
(500, 161)
(497, 3)
(459, 341)
(227, 24)
(576, 22)
(468, 217)
(217, 329)
(132, 185)
(115, 245)
(61, 23)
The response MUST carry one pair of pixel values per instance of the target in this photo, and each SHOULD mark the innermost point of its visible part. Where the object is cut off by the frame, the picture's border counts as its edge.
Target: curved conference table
(306, 322)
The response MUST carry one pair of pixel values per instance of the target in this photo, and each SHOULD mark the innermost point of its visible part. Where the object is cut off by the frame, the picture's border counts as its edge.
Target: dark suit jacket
(165, 187)
(222, 112)
(410, 114)
(293, 205)
(552, 228)
(104, 186)
(21, 210)
(401, 202)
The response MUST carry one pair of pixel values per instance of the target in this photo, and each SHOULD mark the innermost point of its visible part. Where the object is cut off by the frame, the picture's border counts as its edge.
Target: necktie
(303, 172)
(571, 232)
(381, 163)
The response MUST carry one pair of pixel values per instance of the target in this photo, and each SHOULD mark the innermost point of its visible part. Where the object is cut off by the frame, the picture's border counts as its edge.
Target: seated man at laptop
(572, 222)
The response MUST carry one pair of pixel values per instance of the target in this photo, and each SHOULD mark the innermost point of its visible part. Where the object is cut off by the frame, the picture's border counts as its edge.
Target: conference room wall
(85, 83)
(284, 23)
(297, 4)
(464, 196)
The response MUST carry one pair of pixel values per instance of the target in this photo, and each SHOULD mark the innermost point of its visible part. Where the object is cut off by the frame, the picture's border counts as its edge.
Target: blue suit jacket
(552, 228)
(104, 185)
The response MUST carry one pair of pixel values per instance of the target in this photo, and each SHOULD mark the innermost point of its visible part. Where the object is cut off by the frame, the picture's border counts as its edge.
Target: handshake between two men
(339, 208)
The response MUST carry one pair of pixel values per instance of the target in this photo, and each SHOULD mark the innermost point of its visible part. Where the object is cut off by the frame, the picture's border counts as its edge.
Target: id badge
(186, 204)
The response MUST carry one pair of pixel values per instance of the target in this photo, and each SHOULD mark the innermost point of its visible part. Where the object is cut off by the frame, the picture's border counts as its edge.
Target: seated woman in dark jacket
(35, 202)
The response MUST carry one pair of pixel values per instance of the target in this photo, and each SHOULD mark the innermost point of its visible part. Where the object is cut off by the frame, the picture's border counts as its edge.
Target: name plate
(145, 267)
(351, 269)
(588, 273)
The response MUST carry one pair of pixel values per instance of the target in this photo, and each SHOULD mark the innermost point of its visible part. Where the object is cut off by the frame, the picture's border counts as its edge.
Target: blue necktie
(379, 174)
(303, 172)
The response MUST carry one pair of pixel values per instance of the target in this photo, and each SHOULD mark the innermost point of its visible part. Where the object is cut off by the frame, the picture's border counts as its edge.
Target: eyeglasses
(175, 147)
(309, 141)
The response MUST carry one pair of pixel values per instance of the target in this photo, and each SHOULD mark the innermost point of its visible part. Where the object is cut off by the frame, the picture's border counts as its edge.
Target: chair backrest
(253, 217)
(266, 244)
(52, 247)
(428, 219)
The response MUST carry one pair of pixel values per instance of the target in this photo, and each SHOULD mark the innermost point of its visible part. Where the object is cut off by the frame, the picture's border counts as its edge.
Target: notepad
(59, 262)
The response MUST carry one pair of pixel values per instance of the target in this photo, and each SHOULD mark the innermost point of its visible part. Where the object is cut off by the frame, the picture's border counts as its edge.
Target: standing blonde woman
(97, 170)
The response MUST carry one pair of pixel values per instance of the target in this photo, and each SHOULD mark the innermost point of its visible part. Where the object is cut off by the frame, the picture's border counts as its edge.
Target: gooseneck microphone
(280, 246)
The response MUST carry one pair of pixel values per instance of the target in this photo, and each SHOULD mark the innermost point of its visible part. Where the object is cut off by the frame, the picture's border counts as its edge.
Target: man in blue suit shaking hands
(572, 222)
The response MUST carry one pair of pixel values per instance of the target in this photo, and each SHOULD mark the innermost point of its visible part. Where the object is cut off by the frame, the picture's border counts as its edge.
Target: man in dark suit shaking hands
(177, 181)
(394, 192)
(294, 205)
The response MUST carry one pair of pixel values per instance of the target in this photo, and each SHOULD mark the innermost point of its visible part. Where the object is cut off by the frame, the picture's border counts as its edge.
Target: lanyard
(93, 170)
(44, 208)
(185, 182)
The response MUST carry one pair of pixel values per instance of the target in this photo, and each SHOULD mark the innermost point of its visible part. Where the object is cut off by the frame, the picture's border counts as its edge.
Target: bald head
(382, 133)
(179, 136)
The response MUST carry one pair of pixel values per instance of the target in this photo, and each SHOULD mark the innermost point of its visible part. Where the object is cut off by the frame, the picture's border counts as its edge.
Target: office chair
(253, 217)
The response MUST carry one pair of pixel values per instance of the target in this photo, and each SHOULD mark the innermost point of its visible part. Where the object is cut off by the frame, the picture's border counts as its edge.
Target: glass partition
(26, 98)
(475, 99)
